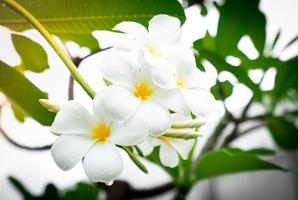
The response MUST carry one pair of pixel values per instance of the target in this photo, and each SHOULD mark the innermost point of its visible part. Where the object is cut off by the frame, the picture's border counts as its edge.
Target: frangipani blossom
(186, 78)
(93, 138)
(163, 34)
(134, 80)
(170, 148)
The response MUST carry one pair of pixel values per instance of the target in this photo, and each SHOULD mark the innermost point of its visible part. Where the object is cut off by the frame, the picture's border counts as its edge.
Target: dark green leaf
(286, 78)
(79, 18)
(230, 160)
(261, 151)
(51, 193)
(222, 90)
(21, 188)
(283, 132)
(23, 94)
(204, 10)
(239, 72)
(82, 191)
(34, 58)
(239, 18)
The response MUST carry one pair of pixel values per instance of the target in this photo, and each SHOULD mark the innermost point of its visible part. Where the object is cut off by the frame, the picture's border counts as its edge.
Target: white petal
(182, 146)
(68, 150)
(120, 41)
(148, 145)
(135, 30)
(73, 118)
(115, 103)
(163, 30)
(168, 155)
(130, 132)
(118, 67)
(158, 117)
(182, 59)
(200, 101)
(198, 78)
(161, 72)
(171, 99)
(103, 163)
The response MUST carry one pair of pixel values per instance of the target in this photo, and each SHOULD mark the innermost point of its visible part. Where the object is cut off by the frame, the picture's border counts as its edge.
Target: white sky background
(36, 169)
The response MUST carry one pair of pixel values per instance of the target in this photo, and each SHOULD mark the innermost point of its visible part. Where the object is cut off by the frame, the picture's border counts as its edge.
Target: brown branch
(11, 141)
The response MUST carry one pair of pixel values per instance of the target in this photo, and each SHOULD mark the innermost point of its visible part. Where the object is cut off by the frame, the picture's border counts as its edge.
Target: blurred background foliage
(238, 18)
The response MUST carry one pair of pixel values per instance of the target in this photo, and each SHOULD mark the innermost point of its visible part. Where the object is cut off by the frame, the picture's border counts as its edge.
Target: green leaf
(21, 188)
(239, 18)
(261, 151)
(20, 116)
(286, 78)
(228, 161)
(82, 191)
(23, 94)
(239, 72)
(79, 18)
(283, 132)
(222, 90)
(34, 57)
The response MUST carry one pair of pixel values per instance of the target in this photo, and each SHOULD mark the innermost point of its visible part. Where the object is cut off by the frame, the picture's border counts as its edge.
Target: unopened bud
(50, 106)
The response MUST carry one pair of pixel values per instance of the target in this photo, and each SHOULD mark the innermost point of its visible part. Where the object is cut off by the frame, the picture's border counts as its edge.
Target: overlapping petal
(115, 103)
(68, 150)
(163, 30)
(168, 155)
(73, 118)
(103, 163)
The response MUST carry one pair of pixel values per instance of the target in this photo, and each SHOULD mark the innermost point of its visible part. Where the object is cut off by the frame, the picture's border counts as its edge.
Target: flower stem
(61, 53)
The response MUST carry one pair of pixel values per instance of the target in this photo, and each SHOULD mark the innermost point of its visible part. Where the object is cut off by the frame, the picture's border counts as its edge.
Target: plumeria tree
(157, 93)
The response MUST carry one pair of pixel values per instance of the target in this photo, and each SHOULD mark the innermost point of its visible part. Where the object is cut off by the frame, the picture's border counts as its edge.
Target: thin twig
(42, 148)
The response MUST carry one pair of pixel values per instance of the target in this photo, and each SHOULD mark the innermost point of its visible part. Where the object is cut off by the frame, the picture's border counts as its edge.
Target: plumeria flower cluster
(155, 90)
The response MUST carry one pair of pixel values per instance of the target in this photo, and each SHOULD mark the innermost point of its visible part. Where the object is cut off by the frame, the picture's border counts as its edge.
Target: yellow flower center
(154, 51)
(164, 138)
(181, 84)
(101, 132)
(143, 91)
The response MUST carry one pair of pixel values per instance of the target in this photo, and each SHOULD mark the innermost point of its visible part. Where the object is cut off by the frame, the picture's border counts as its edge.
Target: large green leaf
(283, 132)
(23, 94)
(239, 72)
(239, 18)
(230, 160)
(75, 20)
(82, 191)
(34, 57)
(286, 77)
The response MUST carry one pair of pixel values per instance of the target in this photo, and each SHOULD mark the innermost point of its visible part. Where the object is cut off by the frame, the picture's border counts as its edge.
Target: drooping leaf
(23, 94)
(239, 72)
(286, 77)
(82, 191)
(228, 161)
(75, 20)
(284, 133)
(239, 18)
(34, 57)
(222, 90)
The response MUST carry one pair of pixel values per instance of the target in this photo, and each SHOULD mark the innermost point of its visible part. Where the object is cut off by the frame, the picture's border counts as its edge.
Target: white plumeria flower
(124, 72)
(93, 138)
(186, 78)
(163, 34)
(170, 148)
